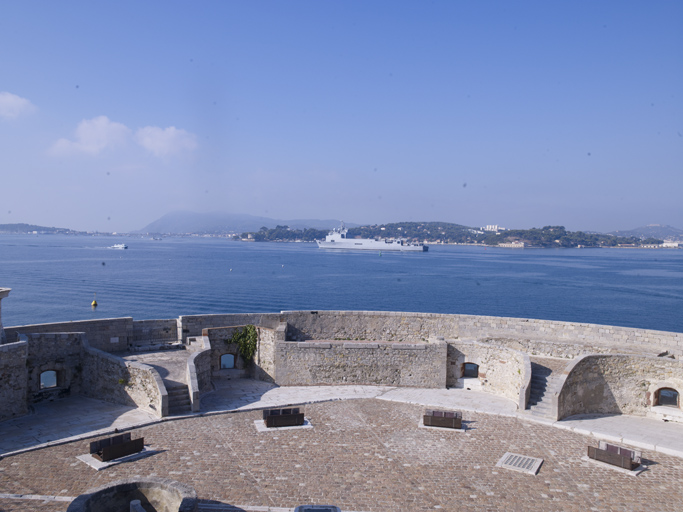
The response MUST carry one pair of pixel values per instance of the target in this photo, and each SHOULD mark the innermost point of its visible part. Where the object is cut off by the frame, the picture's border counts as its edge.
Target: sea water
(54, 278)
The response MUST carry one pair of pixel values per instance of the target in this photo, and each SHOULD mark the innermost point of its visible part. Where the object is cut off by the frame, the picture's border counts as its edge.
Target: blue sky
(515, 113)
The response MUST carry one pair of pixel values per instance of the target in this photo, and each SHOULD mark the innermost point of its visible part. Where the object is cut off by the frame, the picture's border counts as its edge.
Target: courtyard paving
(366, 454)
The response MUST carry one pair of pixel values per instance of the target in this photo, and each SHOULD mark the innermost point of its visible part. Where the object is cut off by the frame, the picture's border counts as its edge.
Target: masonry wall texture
(149, 330)
(411, 365)
(616, 384)
(13, 380)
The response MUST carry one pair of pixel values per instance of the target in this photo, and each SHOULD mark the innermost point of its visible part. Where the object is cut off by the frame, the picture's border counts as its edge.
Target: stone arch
(667, 397)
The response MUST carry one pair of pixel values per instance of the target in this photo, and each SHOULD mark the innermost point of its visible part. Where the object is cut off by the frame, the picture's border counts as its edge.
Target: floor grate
(522, 463)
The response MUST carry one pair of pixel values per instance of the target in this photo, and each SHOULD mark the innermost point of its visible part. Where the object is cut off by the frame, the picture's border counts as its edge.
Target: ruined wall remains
(109, 335)
(502, 371)
(389, 364)
(615, 384)
(110, 378)
(13, 380)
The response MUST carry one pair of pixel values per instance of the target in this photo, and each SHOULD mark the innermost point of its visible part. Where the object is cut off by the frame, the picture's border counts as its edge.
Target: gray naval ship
(336, 239)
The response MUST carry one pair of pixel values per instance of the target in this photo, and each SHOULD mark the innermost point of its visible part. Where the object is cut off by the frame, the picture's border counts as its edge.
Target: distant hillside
(652, 231)
(221, 223)
(30, 228)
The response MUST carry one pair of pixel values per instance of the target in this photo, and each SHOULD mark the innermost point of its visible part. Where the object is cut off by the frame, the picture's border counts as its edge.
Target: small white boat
(119, 246)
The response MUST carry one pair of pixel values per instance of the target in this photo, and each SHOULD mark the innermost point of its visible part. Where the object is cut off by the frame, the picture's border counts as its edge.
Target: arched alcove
(667, 397)
(470, 370)
(227, 361)
(48, 379)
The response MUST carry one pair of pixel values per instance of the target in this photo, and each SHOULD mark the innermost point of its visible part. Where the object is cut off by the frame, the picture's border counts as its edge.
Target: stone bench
(615, 455)
(443, 419)
(287, 417)
(116, 447)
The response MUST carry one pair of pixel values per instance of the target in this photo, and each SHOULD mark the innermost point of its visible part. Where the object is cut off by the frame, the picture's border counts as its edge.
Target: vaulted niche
(227, 361)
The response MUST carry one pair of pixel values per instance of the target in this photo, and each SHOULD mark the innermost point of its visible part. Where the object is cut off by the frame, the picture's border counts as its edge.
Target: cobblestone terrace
(363, 455)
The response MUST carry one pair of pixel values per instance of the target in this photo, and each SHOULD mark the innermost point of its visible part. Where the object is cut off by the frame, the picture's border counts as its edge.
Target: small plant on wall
(246, 342)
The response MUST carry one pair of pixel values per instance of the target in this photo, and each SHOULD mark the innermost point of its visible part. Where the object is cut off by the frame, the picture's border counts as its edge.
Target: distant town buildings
(493, 227)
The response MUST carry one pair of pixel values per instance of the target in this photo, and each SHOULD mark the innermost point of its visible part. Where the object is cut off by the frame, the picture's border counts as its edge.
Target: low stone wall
(199, 372)
(390, 364)
(110, 378)
(110, 335)
(415, 327)
(13, 380)
(147, 330)
(502, 371)
(192, 325)
(60, 352)
(615, 384)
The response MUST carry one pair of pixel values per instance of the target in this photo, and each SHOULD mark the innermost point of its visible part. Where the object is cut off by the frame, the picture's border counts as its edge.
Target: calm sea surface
(54, 279)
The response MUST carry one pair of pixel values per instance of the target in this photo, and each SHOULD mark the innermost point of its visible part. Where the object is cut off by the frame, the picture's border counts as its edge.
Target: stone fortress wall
(616, 371)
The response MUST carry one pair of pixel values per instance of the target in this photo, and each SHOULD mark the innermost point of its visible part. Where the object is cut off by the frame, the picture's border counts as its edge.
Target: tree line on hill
(445, 232)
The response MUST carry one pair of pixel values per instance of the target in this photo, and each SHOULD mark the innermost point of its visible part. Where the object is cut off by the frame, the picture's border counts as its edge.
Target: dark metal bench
(289, 417)
(317, 508)
(116, 447)
(443, 419)
(615, 455)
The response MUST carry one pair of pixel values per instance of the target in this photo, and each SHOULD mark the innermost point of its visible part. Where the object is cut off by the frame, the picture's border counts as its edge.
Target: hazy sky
(515, 113)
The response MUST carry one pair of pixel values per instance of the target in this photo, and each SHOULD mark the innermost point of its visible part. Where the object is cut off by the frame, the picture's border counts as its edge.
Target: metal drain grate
(520, 463)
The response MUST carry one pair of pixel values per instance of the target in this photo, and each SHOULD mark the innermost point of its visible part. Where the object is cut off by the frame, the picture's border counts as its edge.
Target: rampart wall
(413, 327)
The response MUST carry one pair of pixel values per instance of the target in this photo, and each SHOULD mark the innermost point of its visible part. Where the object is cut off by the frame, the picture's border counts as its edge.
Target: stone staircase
(545, 374)
(179, 400)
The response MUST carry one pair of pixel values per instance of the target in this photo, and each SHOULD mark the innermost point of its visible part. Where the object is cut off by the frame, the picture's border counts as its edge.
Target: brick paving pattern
(362, 455)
